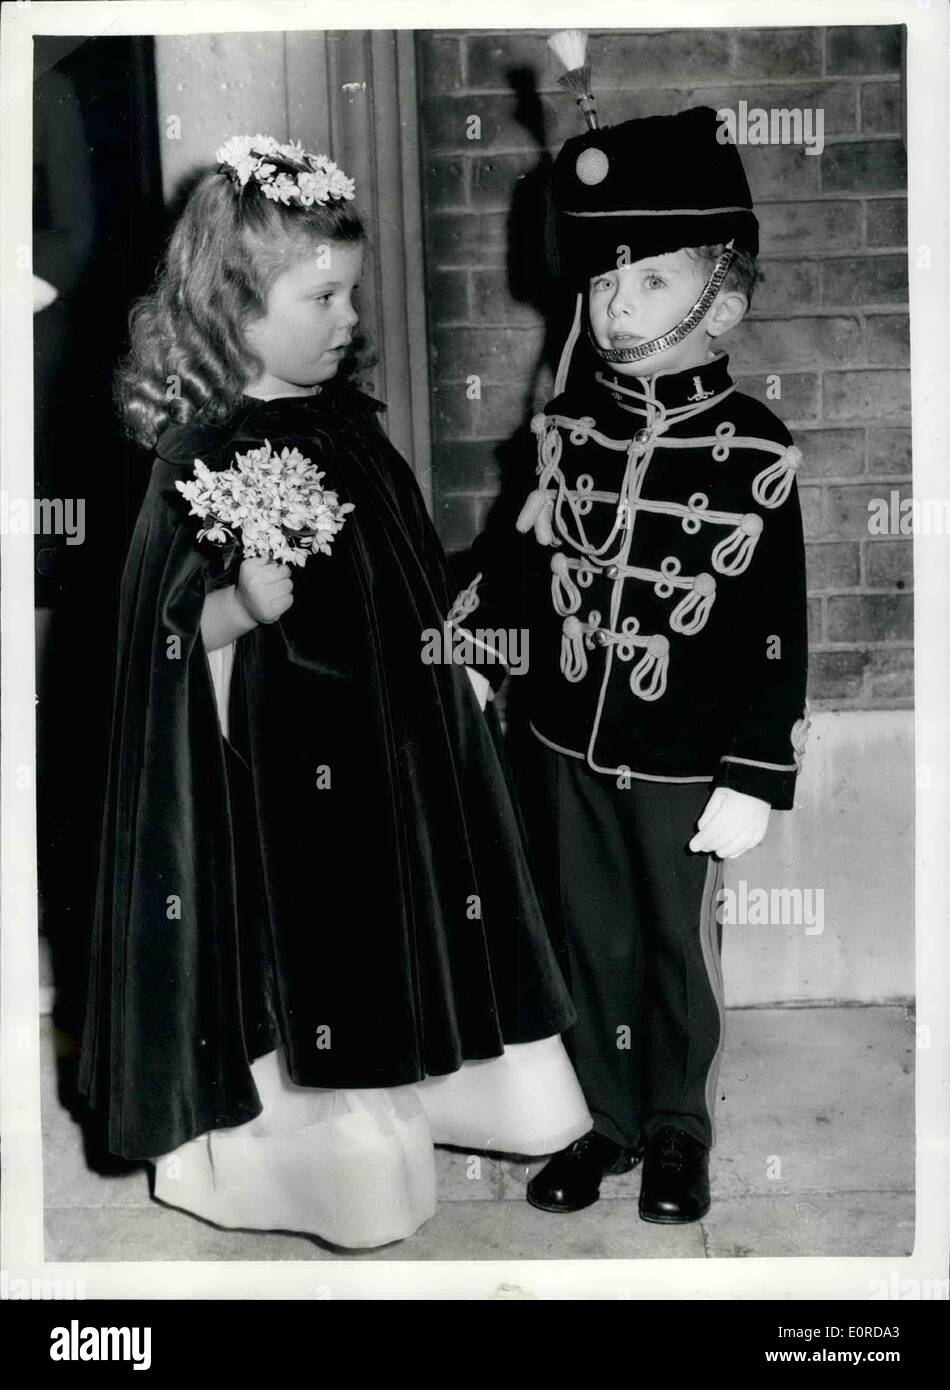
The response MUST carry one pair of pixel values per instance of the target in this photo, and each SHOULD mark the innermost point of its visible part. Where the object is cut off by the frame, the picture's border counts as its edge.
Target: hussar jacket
(656, 574)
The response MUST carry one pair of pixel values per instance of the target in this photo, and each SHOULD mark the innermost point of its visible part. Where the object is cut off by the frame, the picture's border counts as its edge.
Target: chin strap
(680, 330)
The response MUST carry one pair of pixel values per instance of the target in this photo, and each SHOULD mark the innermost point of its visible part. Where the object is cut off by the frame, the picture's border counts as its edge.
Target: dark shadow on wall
(98, 222)
(533, 279)
(532, 261)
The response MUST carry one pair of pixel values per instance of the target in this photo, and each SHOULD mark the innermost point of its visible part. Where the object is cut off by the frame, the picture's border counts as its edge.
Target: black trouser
(633, 913)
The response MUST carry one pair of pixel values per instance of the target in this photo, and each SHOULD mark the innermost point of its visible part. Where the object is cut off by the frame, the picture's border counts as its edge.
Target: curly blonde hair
(188, 357)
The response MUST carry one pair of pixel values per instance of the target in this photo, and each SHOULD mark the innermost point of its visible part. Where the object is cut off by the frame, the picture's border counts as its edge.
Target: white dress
(357, 1167)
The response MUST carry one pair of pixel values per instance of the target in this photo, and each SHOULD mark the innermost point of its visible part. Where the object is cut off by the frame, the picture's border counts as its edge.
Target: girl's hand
(732, 823)
(265, 589)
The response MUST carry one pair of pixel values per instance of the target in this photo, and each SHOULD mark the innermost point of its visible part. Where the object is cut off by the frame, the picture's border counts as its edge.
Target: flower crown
(317, 180)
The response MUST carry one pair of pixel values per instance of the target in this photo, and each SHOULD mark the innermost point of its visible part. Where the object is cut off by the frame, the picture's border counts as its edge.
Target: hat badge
(592, 165)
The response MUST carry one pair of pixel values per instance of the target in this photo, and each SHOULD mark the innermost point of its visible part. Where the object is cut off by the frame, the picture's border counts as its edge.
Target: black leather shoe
(675, 1185)
(571, 1180)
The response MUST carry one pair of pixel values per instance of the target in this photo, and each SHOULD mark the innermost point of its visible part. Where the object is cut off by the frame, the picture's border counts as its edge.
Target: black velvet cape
(346, 874)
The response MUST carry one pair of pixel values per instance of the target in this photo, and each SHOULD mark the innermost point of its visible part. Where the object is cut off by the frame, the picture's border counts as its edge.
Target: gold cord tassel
(732, 555)
(691, 612)
(573, 653)
(565, 595)
(773, 484)
(648, 677)
(536, 514)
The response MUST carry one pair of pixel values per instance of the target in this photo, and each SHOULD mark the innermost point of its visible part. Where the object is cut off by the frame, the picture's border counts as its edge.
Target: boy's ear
(730, 308)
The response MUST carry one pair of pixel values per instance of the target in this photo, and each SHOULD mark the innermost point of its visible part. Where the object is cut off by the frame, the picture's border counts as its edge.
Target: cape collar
(336, 396)
(253, 418)
(692, 389)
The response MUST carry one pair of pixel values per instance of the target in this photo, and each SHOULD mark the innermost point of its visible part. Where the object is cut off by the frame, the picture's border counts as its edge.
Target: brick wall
(831, 318)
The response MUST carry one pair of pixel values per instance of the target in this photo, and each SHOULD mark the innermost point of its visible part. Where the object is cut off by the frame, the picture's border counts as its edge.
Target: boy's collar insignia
(693, 388)
(305, 178)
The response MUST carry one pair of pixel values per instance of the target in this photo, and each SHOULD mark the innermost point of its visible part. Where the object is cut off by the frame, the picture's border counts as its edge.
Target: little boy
(660, 574)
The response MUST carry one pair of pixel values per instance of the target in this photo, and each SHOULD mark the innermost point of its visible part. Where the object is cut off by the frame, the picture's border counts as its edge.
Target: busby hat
(648, 186)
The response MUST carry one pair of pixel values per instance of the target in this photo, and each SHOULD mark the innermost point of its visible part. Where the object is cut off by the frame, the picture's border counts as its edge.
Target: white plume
(570, 46)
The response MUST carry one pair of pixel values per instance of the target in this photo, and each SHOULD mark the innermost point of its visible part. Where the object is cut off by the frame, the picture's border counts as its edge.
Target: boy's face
(634, 303)
(309, 322)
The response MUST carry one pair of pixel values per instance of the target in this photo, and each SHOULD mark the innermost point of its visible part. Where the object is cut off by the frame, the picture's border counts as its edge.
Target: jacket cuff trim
(466, 601)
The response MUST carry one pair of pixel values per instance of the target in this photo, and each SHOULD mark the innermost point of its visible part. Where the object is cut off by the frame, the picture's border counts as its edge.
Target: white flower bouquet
(274, 505)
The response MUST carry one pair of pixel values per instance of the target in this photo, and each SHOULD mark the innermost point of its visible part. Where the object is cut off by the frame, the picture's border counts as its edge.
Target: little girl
(317, 947)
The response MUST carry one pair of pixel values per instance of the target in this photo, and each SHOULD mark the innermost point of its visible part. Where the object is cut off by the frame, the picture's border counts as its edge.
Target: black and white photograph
(475, 520)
